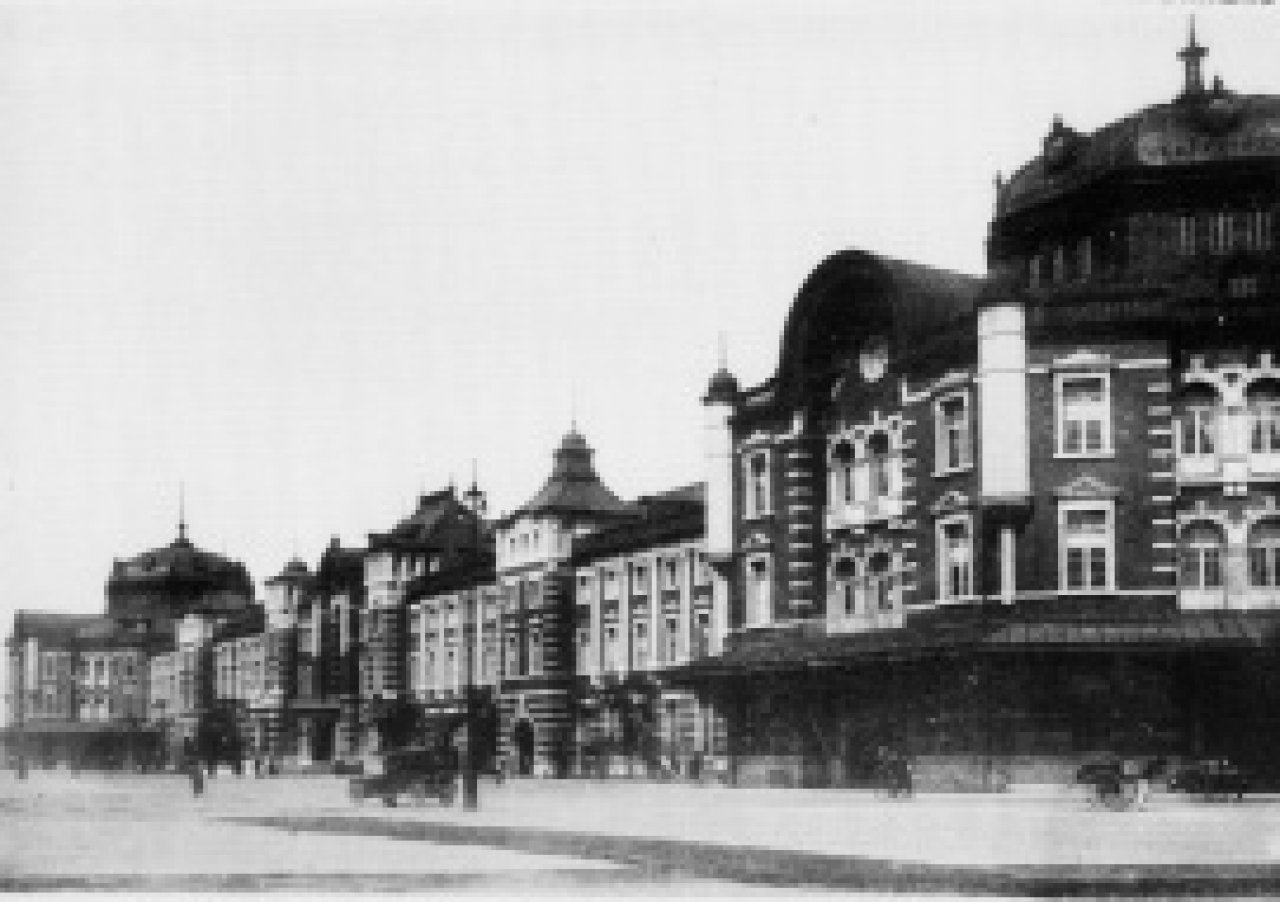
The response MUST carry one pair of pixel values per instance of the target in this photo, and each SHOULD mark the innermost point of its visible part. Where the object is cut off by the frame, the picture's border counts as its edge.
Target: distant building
(83, 688)
(441, 533)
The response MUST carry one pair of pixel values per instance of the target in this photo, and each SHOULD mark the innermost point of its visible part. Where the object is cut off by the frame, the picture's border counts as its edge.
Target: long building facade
(997, 524)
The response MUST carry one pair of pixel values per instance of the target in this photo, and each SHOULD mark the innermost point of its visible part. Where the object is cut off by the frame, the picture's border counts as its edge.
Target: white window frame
(1221, 232)
(1066, 543)
(881, 465)
(1186, 235)
(945, 560)
(880, 587)
(1269, 552)
(1060, 379)
(757, 507)
(1198, 424)
(759, 595)
(1192, 556)
(1264, 427)
(943, 465)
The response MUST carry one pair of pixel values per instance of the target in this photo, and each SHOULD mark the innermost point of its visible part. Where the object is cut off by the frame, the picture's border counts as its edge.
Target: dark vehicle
(1107, 782)
(1212, 778)
(893, 774)
(419, 773)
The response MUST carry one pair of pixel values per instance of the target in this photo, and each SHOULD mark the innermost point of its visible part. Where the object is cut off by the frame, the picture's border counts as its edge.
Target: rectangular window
(1187, 235)
(1059, 264)
(1221, 233)
(640, 644)
(1084, 415)
(1033, 272)
(952, 418)
(1265, 435)
(1084, 257)
(758, 601)
(955, 555)
(671, 651)
(850, 598)
(1199, 430)
(1086, 543)
(701, 635)
(757, 489)
(1264, 565)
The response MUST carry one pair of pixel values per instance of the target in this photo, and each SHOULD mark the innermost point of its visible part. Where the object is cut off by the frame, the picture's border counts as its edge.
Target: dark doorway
(523, 738)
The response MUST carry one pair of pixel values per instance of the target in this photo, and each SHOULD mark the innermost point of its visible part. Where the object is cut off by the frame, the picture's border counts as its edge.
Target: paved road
(588, 838)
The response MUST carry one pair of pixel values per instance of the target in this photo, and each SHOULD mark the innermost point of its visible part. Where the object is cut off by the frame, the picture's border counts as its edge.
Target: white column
(686, 583)
(596, 585)
(655, 611)
(1002, 389)
(624, 613)
(1008, 564)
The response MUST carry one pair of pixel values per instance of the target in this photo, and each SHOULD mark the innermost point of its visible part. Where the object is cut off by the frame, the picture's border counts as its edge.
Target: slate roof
(574, 489)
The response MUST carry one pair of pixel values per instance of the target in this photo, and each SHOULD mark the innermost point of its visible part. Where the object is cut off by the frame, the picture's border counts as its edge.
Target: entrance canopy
(980, 631)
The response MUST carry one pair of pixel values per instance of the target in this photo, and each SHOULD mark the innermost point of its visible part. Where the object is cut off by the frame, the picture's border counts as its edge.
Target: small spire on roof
(1191, 56)
(182, 511)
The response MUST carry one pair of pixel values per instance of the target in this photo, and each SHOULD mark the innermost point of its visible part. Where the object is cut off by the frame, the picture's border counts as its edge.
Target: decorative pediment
(951, 503)
(1082, 358)
(1086, 486)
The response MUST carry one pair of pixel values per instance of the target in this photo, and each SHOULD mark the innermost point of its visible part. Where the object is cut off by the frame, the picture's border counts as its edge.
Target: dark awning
(796, 649)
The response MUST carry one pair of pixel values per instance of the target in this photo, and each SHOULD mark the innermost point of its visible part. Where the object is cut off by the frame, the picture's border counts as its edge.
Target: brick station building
(1002, 524)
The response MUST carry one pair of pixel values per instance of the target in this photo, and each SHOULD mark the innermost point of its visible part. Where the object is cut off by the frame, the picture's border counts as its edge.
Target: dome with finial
(1200, 127)
(175, 579)
(574, 489)
(722, 389)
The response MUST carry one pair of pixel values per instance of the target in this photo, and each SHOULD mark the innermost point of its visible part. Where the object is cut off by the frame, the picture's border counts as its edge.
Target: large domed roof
(178, 576)
(1202, 125)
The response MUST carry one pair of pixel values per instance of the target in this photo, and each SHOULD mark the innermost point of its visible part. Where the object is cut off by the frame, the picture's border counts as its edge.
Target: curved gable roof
(853, 295)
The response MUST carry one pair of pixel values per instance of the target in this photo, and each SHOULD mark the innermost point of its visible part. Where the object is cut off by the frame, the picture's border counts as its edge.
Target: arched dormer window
(1202, 547)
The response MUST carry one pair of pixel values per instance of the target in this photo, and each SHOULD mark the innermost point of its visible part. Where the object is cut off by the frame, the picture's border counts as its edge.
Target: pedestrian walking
(197, 780)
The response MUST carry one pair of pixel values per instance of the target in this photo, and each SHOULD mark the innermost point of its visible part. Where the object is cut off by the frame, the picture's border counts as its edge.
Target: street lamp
(470, 780)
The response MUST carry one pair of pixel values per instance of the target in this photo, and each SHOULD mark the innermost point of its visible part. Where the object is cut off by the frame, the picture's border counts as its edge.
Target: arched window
(1264, 554)
(845, 599)
(878, 464)
(1200, 406)
(842, 483)
(1263, 399)
(955, 553)
(880, 582)
(1202, 554)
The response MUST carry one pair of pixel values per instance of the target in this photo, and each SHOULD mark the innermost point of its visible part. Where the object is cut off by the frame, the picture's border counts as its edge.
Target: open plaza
(580, 837)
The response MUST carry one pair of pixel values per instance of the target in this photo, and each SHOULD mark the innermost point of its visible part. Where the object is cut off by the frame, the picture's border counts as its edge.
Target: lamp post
(470, 634)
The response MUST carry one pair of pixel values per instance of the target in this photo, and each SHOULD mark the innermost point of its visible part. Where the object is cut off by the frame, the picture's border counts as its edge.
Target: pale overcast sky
(312, 258)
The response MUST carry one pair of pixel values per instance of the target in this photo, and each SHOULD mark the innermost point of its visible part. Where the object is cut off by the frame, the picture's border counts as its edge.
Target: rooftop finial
(722, 350)
(182, 511)
(1191, 57)
(474, 482)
